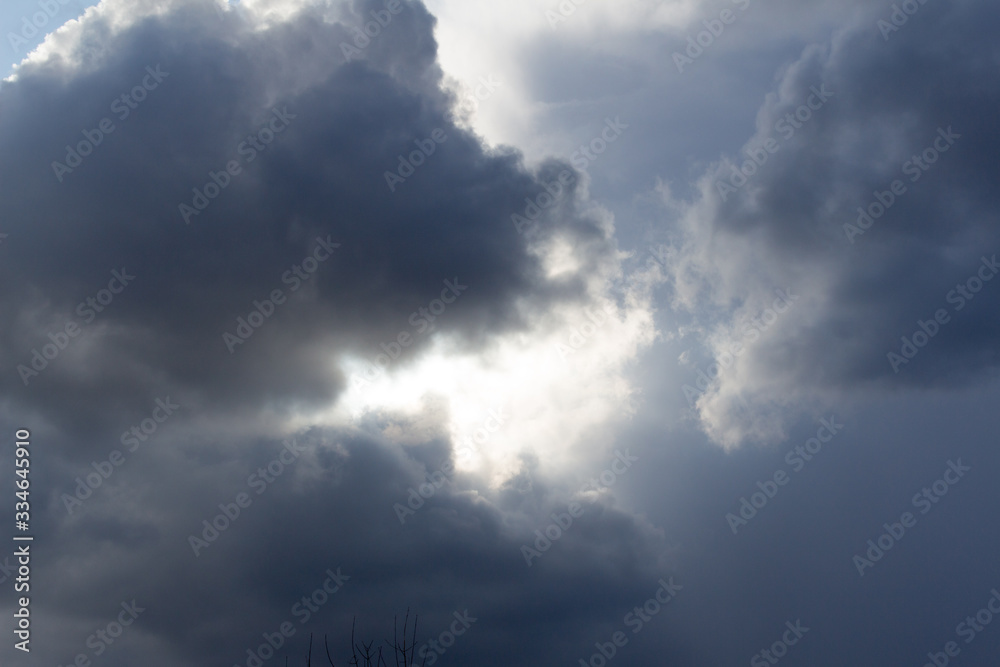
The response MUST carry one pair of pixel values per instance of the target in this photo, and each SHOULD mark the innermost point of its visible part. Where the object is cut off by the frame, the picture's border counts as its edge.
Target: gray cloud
(334, 506)
(155, 329)
(322, 177)
(791, 222)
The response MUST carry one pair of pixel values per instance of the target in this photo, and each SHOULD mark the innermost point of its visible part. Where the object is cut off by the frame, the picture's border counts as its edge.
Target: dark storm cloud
(338, 125)
(845, 121)
(159, 285)
(331, 506)
(334, 505)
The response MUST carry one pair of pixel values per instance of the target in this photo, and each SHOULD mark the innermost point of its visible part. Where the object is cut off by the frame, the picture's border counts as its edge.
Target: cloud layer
(304, 340)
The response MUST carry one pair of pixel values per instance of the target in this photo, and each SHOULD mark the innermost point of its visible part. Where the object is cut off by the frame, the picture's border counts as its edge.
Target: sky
(638, 333)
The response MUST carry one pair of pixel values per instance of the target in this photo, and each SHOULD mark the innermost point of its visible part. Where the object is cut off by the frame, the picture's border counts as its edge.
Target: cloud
(321, 177)
(199, 212)
(783, 219)
(448, 372)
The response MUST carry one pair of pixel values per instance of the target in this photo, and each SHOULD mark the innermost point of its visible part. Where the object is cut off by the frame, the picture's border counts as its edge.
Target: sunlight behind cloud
(545, 392)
